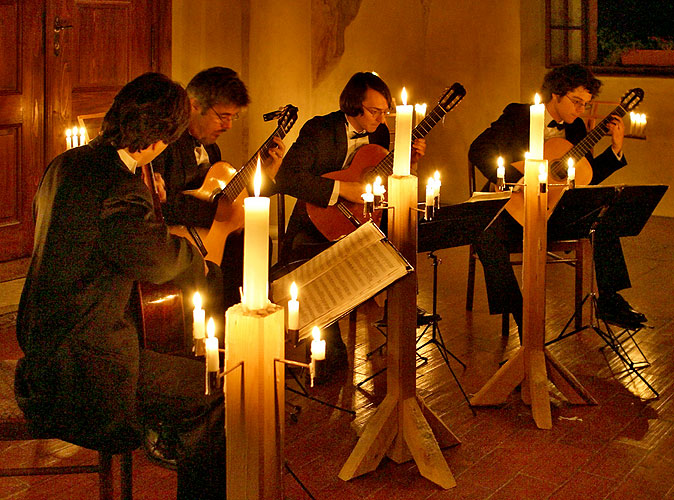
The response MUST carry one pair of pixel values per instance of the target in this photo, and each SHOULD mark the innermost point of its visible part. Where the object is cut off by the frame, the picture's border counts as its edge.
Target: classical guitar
(224, 185)
(558, 151)
(369, 162)
(160, 307)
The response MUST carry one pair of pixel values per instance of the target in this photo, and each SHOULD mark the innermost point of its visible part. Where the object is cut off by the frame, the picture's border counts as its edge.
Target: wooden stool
(14, 427)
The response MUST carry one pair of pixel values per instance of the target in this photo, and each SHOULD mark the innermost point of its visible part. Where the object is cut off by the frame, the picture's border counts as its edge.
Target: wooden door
(45, 85)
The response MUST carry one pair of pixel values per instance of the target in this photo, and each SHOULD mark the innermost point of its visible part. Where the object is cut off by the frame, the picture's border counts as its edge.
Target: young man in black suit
(567, 91)
(326, 144)
(85, 378)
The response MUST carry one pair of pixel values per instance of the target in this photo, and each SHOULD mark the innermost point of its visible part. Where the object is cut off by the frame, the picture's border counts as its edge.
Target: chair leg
(105, 475)
(470, 286)
(127, 475)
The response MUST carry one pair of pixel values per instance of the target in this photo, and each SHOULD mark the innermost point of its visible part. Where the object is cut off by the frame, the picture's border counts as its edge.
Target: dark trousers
(503, 292)
(171, 391)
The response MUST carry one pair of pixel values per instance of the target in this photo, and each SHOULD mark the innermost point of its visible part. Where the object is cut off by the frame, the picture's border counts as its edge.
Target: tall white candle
(500, 170)
(199, 318)
(212, 346)
(571, 170)
(536, 128)
(437, 183)
(69, 140)
(403, 142)
(293, 309)
(75, 137)
(256, 247)
(83, 136)
(430, 192)
(419, 113)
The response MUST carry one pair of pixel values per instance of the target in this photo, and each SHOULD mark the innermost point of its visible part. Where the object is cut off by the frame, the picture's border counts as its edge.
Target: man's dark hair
(218, 85)
(564, 79)
(353, 95)
(148, 109)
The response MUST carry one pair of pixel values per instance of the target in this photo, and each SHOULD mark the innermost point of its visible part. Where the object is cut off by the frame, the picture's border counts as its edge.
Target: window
(611, 36)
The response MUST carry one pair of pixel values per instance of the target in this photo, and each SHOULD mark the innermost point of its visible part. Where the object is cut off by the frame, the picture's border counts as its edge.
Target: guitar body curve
(329, 220)
(216, 180)
(553, 149)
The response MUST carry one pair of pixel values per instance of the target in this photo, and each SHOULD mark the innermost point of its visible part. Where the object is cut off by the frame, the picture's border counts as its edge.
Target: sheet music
(340, 278)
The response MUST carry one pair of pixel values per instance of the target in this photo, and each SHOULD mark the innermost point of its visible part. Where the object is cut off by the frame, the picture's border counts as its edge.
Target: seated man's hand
(351, 191)
(229, 214)
(159, 184)
(418, 149)
(273, 163)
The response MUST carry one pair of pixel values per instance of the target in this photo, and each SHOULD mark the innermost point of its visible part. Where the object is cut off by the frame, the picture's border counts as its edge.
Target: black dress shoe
(161, 447)
(615, 309)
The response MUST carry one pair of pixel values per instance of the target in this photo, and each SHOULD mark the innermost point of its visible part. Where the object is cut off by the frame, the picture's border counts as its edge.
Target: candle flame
(404, 96)
(377, 181)
(197, 300)
(570, 162)
(437, 175)
(75, 131)
(537, 99)
(293, 291)
(543, 172)
(257, 181)
(316, 333)
(210, 328)
(68, 132)
(499, 161)
(430, 182)
(368, 188)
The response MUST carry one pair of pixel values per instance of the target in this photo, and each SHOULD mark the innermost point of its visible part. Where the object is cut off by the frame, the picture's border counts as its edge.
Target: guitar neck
(245, 174)
(559, 167)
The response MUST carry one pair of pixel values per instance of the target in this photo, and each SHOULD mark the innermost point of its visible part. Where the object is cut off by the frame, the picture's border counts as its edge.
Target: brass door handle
(59, 26)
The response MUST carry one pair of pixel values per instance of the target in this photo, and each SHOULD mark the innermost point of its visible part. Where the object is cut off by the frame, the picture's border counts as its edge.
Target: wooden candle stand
(533, 365)
(254, 402)
(403, 426)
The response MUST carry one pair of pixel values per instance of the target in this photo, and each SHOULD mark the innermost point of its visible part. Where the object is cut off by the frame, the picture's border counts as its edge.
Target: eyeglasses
(579, 103)
(376, 112)
(225, 117)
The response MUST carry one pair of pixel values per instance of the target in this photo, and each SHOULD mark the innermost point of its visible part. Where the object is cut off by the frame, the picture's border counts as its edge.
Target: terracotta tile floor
(621, 448)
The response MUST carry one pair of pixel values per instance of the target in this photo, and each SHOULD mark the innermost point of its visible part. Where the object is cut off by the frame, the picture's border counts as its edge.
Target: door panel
(45, 85)
(21, 111)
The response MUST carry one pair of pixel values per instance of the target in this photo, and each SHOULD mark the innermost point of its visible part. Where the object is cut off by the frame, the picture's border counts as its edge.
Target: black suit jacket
(95, 234)
(320, 148)
(509, 137)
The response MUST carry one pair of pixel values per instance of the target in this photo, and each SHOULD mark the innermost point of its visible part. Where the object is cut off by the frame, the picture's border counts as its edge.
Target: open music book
(354, 269)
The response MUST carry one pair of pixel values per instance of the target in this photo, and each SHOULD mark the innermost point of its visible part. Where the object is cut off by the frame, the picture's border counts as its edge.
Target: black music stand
(623, 211)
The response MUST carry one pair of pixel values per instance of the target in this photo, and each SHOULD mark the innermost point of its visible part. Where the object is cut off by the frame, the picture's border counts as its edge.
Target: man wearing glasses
(217, 96)
(326, 144)
(567, 92)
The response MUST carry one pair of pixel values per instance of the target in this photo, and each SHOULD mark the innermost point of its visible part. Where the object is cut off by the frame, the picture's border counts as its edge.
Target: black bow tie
(358, 135)
(557, 125)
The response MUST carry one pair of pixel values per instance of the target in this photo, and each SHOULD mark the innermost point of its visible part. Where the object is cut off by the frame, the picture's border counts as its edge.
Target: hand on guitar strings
(273, 163)
(616, 129)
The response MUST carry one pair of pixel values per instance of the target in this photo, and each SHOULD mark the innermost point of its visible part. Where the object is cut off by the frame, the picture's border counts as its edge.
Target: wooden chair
(576, 253)
(14, 427)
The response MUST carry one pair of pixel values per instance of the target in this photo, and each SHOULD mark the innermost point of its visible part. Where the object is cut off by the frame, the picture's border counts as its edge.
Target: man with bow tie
(567, 92)
(217, 96)
(326, 144)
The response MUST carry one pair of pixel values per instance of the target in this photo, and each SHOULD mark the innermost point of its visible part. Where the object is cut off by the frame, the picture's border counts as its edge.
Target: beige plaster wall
(649, 161)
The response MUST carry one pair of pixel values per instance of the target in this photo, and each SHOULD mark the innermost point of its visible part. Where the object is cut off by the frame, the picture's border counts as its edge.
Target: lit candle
(571, 173)
(198, 325)
(212, 359)
(256, 247)
(543, 176)
(403, 141)
(368, 200)
(293, 309)
(436, 189)
(378, 190)
(419, 113)
(642, 130)
(83, 134)
(69, 141)
(536, 128)
(317, 354)
(500, 174)
(75, 132)
(430, 198)
(633, 120)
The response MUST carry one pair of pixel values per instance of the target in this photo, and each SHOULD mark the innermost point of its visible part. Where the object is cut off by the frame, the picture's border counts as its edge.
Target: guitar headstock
(631, 99)
(287, 117)
(452, 96)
